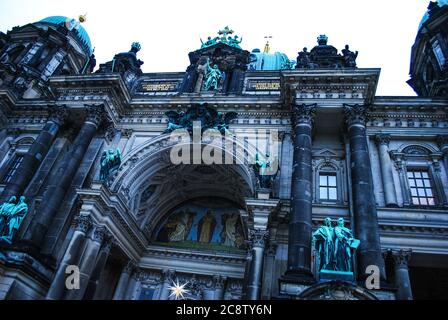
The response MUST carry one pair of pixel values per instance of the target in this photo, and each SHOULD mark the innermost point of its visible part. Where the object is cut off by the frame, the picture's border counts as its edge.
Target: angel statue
(175, 121)
(223, 120)
(110, 161)
(212, 77)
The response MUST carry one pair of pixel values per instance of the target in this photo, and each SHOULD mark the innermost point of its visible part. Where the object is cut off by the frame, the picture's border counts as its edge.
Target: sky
(383, 31)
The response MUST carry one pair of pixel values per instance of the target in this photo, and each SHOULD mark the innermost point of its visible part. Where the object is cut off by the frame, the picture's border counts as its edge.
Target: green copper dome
(269, 61)
(425, 18)
(77, 29)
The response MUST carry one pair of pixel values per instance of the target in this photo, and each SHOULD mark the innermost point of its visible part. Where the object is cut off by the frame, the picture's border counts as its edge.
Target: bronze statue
(343, 245)
(12, 217)
(110, 161)
(213, 76)
(349, 56)
(323, 241)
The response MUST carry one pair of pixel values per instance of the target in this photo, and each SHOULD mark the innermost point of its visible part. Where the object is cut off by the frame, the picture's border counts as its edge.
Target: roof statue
(326, 56)
(224, 37)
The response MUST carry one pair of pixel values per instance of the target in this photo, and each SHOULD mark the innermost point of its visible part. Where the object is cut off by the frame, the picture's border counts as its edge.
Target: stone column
(257, 242)
(168, 276)
(390, 195)
(442, 141)
(37, 152)
(402, 281)
(400, 165)
(55, 193)
(83, 224)
(99, 268)
(364, 206)
(268, 271)
(87, 262)
(123, 282)
(300, 218)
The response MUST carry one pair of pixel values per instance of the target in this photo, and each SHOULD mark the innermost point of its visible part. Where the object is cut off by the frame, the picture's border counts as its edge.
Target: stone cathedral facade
(380, 163)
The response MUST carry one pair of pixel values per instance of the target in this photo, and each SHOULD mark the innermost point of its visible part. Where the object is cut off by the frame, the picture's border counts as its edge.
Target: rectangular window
(439, 54)
(12, 169)
(421, 189)
(328, 187)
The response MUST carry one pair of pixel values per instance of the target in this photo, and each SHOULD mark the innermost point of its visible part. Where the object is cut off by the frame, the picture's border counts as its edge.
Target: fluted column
(168, 276)
(99, 268)
(402, 281)
(37, 152)
(87, 262)
(300, 218)
(257, 242)
(123, 282)
(364, 206)
(57, 189)
(442, 141)
(390, 195)
(83, 224)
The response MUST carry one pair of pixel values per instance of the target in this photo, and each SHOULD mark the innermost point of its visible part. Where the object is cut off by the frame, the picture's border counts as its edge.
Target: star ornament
(178, 290)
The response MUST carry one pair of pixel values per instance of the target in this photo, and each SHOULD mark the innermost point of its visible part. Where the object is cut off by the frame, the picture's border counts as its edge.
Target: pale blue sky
(383, 31)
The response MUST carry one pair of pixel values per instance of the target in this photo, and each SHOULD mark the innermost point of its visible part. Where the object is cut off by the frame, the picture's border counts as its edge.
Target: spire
(267, 46)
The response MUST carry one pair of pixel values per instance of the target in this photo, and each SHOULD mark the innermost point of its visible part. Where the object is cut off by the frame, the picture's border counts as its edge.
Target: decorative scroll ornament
(12, 215)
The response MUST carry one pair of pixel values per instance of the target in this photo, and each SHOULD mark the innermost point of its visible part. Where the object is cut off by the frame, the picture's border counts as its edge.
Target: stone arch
(336, 290)
(149, 164)
(418, 148)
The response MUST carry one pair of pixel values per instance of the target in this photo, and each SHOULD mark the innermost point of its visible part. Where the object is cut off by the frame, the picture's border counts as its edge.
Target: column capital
(101, 234)
(58, 113)
(130, 267)
(258, 238)
(355, 114)
(382, 139)
(401, 257)
(303, 113)
(83, 223)
(95, 113)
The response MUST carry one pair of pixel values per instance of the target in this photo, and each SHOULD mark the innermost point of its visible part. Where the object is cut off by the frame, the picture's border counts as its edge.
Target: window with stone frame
(328, 189)
(421, 187)
(419, 171)
(12, 168)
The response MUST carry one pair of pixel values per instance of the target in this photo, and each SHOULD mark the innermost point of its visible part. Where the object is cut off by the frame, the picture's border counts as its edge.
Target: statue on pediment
(349, 56)
(213, 77)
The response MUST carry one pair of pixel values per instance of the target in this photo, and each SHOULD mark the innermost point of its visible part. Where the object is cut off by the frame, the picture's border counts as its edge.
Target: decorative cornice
(304, 113)
(355, 114)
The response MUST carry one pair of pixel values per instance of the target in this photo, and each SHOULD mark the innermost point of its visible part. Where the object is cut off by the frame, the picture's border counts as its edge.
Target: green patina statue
(110, 161)
(213, 77)
(11, 217)
(323, 241)
(265, 170)
(335, 246)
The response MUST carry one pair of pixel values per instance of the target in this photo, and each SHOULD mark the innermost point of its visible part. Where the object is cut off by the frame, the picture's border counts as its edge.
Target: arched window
(328, 186)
